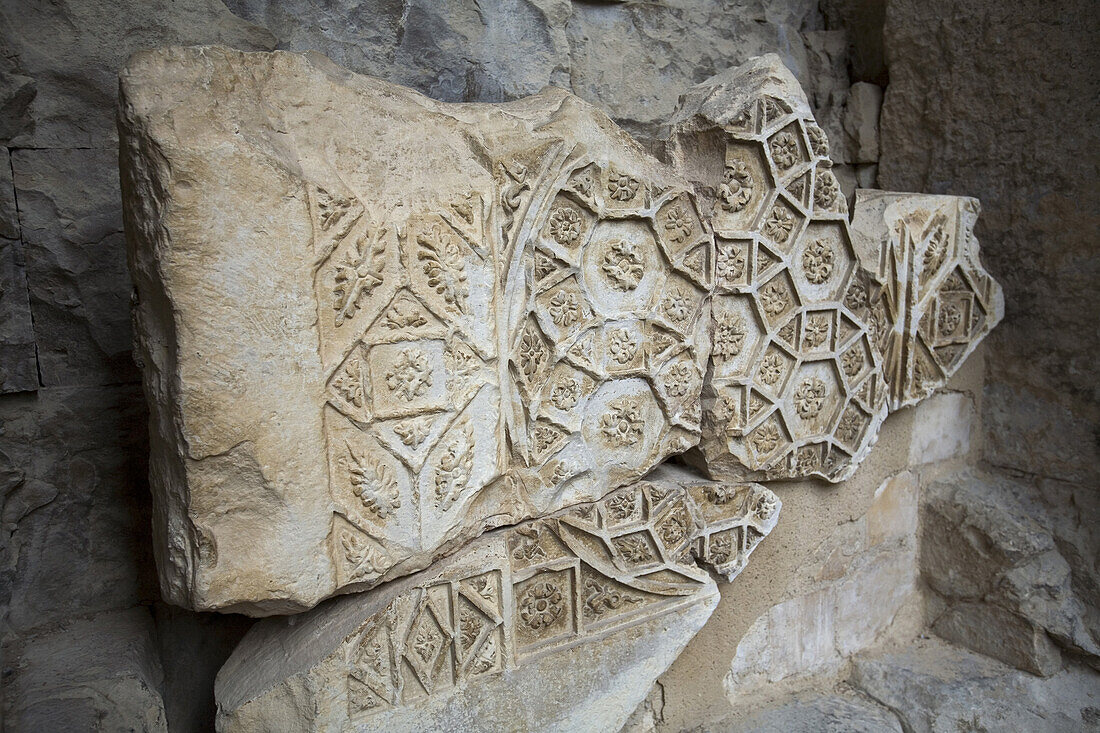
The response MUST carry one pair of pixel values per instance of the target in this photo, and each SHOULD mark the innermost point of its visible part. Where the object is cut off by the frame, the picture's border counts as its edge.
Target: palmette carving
(939, 302)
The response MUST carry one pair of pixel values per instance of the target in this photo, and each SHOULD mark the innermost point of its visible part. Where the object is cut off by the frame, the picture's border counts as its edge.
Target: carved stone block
(373, 325)
(794, 384)
(598, 599)
(939, 300)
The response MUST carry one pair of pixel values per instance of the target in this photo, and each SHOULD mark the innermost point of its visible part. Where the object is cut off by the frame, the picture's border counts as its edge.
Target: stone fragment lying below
(939, 300)
(1004, 589)
(561, 623)
(794, 386)
(933, 686)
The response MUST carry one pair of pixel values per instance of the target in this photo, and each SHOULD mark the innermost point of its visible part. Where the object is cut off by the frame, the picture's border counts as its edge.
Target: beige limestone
(560, 623)
(940, 301)
(374, 325)
(794, 385)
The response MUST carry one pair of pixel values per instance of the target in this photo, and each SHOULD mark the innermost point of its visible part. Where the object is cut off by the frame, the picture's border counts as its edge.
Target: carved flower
(807, 462)
(470, 630)
(540, 604)
(765, 438)
(404, 314)
(532, 353)
(411, 376)
(678, 379)
(827, 190)
(678, 304)
(818, 141)
(765, 503)
(349, 383)
(426, 643)
(565, 225)
(849, 427)
(771, 369)
(735, 191)
(583, 183)
(774, 298)
(779, 224)
(729, 336)
(817, 261)
(720, 548)
(809, 397)
(856, 297)
(721, 493)
(622, 423)
(414, 431)
(564, 308)
(623, 345)
(623, 265)
(731, 264)
(678, 223)
(852, 362)
(565, 393)
(621, 506)
(453, 468)
(622, 187)
(950, 318)
(633, 548)
(784, 150)
(817, 330)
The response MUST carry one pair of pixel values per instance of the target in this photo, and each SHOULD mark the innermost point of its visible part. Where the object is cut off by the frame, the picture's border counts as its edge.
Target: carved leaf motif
(373, 482)
(453, 468)
(444, 264)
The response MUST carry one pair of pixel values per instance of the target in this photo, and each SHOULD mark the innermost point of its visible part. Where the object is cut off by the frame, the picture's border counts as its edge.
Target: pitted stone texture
(374, 325)
(940, 301)
(794, 384)
(599, 599)
(18, 359)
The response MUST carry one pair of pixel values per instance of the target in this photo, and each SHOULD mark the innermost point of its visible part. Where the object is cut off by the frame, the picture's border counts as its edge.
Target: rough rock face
(940, 302)
(18, 361)
(1006, 589)
(933, 686)
(794, 385)
(415, 281)
(561, 623)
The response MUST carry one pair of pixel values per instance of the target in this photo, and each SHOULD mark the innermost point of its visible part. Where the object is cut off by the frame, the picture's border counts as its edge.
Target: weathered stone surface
(940, 301)
(76, 265)
(102, 673)
(18, 362)
(560, 623)
(1009, 592)
(75, 75)
(816, 713)
(933, 686)
(460, 335)
(861, 113)
(631, 59)
(75, 512)
(942, 425)
(973, 93)
(794, 383)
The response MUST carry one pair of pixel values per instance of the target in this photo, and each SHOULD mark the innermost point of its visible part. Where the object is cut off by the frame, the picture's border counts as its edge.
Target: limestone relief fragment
(939, 300)
(598, 599)
(794, 383)
(374, 326)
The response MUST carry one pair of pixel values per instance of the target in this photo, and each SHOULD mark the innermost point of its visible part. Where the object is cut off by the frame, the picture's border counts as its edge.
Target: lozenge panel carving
(570, 593)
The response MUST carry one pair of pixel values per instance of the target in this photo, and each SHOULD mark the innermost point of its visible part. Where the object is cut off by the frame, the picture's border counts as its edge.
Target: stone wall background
(993, 99)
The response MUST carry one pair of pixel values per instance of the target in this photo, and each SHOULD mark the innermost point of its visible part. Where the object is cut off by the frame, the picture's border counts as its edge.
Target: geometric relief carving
(938, 302)
(523, 597)
(614, 277)
(793, 364)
